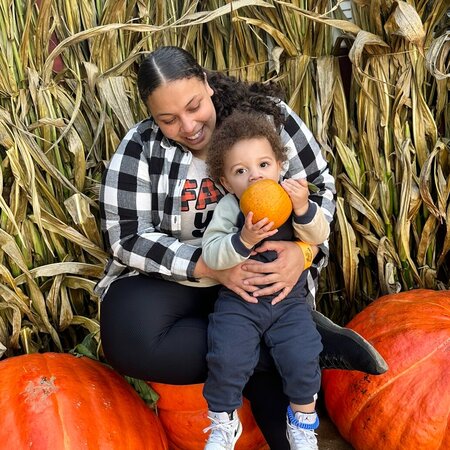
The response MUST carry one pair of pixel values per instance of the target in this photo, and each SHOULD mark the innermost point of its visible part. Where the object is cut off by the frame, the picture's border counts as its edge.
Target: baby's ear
(226, 185)
(280, 166)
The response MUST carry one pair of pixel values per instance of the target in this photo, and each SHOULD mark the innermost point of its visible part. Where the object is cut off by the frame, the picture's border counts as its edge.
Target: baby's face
(248, 161)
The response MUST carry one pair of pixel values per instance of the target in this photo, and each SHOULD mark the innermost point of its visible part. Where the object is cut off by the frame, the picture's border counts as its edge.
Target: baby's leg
(233, 351)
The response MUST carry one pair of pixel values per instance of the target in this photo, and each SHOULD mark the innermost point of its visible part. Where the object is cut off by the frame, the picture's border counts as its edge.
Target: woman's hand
(281, 274)
(233, 278)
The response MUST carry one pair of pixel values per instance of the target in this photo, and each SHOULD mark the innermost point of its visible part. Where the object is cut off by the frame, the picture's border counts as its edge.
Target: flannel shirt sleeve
(305, 160)
(127, 218)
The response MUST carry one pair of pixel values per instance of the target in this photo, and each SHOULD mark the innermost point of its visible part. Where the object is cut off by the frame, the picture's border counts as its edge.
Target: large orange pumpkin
(183, 413)
(60, 402)
(266, 198)
(408, 407)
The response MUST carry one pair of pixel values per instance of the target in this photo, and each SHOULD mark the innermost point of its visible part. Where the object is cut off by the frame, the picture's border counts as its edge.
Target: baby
(244, 149)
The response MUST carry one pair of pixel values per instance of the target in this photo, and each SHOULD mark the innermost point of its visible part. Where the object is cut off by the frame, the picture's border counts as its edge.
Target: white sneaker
(225, 431)
(300, 430)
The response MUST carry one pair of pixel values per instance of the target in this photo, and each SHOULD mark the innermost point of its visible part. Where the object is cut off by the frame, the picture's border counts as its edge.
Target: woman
(156, 201)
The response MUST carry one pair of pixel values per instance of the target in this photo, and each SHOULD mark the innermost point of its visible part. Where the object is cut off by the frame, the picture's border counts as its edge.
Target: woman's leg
(151, 328)
(269, 404)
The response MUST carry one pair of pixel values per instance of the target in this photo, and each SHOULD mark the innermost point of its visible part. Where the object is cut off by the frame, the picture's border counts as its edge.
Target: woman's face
(184, 111)
(248, 161)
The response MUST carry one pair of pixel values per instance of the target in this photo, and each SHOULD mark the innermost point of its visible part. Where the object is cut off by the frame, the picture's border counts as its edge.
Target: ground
(327, 434)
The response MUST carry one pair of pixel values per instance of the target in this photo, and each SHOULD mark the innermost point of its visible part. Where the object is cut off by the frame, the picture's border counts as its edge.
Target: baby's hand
(298, 191)
(252, 233)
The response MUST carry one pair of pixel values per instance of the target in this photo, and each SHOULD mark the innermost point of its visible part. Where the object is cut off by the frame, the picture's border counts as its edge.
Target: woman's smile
(197, 136)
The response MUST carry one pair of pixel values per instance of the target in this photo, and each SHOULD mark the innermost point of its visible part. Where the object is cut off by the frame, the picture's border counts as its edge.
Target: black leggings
(155, 330)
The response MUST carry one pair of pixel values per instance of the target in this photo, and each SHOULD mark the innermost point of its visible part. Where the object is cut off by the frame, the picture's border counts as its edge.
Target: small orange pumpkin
(183, 413)
(60, 402)
(266, 198)
(408, 407)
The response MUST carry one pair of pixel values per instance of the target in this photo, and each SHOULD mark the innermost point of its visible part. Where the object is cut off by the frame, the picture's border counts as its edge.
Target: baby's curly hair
(240, 125)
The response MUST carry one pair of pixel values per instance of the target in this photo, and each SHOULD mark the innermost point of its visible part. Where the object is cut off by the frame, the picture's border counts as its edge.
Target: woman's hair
(164, 65)
(238, 126)
(171, 63)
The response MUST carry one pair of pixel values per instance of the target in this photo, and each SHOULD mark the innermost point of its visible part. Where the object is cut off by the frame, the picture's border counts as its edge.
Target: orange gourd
(266, 198)
(183, 413)
(60, 402)
(408, 407)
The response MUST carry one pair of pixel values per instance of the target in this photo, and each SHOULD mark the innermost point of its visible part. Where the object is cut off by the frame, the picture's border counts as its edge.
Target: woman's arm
(280, 275)
(305, 160)
(130, 218)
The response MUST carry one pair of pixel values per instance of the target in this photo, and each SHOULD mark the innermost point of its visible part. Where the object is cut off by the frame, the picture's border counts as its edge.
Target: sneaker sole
(238, 435)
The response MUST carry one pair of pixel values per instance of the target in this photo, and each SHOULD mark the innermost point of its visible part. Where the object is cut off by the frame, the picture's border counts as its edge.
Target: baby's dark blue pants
(235, 331)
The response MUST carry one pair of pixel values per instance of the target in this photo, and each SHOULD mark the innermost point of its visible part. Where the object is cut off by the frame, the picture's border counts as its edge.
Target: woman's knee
(147, 337)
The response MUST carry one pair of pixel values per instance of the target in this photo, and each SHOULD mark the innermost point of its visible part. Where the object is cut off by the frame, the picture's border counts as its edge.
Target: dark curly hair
(240, 125)
(231, 94)
(172, 63)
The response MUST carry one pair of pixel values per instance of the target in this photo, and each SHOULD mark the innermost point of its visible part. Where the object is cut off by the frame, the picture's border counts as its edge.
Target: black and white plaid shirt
(140, 201)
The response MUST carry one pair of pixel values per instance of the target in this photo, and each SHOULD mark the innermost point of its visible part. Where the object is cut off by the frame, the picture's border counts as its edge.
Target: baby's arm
(223, 244)
(222, 247)
(310, 224)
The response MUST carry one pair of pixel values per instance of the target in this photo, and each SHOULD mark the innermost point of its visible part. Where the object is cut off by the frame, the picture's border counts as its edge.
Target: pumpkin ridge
(358, 419)
(377, 391)
(387, 333)
(429, 355)
(381, 387)
(89, 400)
(441, 306)
(61, 419)
(413, 302)
(37, 394)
